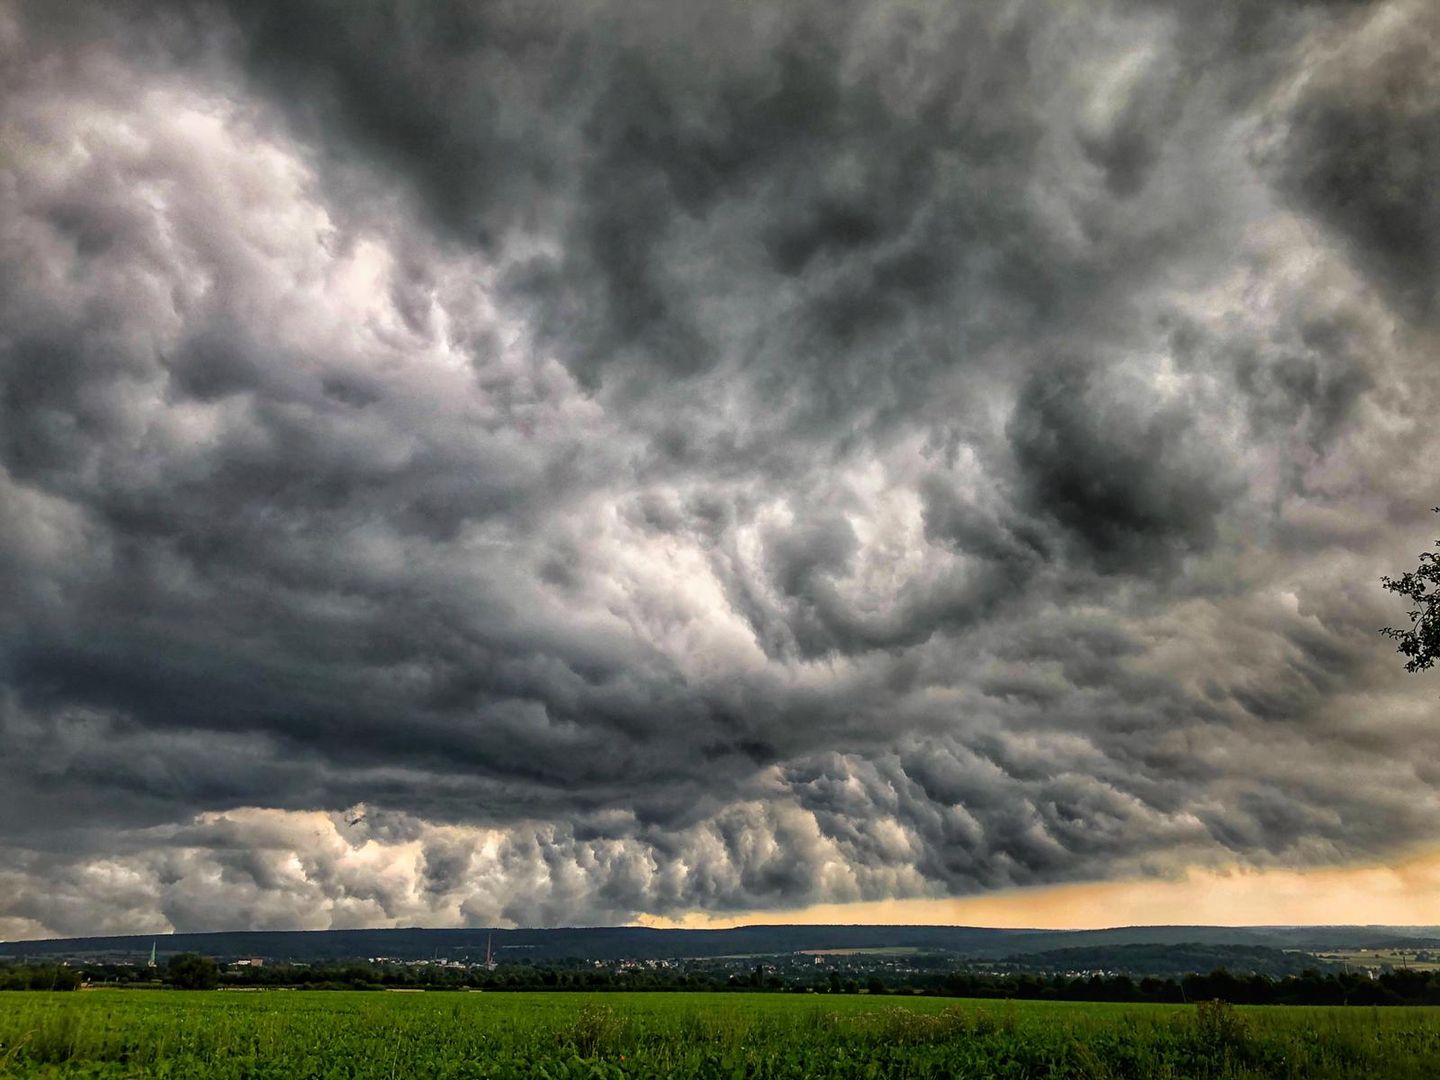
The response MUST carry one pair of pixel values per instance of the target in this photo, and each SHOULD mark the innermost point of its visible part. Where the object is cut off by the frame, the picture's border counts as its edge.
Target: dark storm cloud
(1135, 483)
(661, 459)
(1361, 143)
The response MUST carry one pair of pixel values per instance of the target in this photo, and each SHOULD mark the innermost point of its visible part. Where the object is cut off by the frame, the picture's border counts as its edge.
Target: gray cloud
(1134, 482)
(1360, 142)
(662, 463)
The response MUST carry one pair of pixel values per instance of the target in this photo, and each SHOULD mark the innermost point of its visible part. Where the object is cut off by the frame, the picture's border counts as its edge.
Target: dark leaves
(1420, 642)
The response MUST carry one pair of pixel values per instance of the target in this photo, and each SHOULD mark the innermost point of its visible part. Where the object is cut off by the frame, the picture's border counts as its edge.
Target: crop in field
(268, 1035)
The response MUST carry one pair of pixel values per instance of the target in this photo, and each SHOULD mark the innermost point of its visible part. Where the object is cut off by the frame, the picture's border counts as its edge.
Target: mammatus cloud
(670, 464)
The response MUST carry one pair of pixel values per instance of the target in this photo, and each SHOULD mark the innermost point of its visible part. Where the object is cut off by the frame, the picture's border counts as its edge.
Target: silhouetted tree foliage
(191, 971)
(39, 977)
(1420, 641)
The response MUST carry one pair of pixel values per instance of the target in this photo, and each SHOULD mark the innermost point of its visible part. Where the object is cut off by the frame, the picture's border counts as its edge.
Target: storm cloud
(548, 463)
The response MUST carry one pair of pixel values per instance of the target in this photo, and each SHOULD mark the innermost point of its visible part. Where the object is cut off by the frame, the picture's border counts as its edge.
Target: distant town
(1373, 965)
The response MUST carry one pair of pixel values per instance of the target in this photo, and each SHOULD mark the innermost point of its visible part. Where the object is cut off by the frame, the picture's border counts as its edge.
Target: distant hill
(632, 942)
(1312, 938)
(585, 943)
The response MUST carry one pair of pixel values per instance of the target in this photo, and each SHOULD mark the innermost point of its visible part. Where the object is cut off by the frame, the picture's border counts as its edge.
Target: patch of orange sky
(1402, 893)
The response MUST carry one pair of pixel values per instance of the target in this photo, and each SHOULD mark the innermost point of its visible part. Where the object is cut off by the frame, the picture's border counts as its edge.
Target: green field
(283, 1034)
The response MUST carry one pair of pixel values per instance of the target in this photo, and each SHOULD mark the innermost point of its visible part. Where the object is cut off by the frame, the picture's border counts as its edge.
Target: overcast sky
(505, 463)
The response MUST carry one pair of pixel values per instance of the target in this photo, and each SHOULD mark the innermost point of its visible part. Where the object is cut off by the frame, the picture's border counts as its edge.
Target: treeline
(39, 977)
(188, 971)
(1402, 987)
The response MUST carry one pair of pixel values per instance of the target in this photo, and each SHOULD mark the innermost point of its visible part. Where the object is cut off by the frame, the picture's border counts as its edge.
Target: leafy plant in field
(1220, 1038)
(901, 1025)
(595, 1029)
(1218, 1024)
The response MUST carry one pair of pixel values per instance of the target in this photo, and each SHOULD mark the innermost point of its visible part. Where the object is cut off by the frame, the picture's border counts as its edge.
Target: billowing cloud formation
(668, 459)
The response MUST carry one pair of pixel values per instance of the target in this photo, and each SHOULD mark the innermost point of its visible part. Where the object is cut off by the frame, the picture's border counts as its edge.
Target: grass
(297, 1034)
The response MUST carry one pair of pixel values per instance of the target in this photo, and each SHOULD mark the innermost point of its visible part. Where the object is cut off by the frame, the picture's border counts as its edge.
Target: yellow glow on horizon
(1401, 893)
